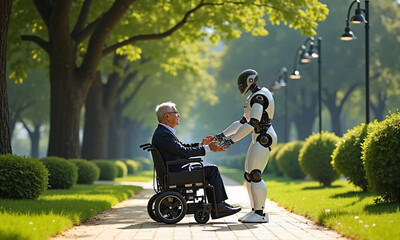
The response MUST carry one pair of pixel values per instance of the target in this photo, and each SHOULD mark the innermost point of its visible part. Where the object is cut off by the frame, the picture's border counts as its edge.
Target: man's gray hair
(163, 108)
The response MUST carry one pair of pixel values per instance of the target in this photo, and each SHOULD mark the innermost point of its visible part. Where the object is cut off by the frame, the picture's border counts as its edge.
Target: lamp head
(348, 35)
(295, 75)
(358, 17)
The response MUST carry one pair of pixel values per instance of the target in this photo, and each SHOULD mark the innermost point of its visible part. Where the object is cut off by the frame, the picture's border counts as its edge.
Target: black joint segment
(253, 122)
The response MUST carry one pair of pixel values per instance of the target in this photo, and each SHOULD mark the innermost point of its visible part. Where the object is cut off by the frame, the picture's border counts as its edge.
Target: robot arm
(255, 117)
(234, 127)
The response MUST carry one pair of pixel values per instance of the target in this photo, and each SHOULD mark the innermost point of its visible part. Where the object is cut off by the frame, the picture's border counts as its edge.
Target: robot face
(246, 79)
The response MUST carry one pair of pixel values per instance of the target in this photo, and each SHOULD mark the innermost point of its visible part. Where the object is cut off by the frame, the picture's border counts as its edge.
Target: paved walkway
(129, 220)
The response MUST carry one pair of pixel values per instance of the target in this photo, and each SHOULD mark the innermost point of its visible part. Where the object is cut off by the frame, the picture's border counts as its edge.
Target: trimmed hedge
(22, 177)
(122, 168)
(63, 174)
(381, 157)
(146, 163)
(88, 172)
(233, 161)
(346, 158)
(134, 167)
(108, 169)
(272, 163)
(315, 157)
(288, 160)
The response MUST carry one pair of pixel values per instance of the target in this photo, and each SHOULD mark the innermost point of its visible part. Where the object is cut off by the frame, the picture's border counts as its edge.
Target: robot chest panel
(247, 109)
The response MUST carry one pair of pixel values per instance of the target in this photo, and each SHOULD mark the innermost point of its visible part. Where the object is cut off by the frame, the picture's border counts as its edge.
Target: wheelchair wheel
(202, 216)
(150, 208)
(170, 207)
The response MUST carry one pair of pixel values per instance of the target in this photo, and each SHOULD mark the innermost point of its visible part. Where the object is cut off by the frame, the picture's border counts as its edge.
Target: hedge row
(27, 178)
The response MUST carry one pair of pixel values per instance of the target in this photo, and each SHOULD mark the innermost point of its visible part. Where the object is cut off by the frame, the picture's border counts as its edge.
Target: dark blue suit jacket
(172, 149)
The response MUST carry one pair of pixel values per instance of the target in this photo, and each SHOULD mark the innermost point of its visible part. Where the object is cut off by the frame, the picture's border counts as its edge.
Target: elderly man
(170, 148)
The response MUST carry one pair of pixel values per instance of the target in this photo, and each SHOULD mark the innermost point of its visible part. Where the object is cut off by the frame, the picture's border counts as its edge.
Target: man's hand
(215, 147)
(226, 143)
(207, 140)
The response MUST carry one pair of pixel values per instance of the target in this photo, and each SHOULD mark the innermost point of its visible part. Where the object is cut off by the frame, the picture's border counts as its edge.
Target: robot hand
(225, 143)
(219, 137)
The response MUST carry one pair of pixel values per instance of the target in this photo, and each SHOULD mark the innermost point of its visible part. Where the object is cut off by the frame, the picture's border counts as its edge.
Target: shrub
(381, 157)
(272, 164)
(288, 160)
(88, 172)
(63, 174)
(233, 161)
(146, 163)
(315, 157)
(122, 168)
(22, 177)
(346, 158)
(134, 167)
(108, 169)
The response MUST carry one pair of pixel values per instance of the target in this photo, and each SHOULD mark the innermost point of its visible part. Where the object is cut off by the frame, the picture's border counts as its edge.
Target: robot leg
(255, 165)
(248, 186)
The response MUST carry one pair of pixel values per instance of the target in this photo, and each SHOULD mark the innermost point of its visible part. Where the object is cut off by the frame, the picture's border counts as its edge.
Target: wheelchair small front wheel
(150, 207)
(202, 215)
(170, 207)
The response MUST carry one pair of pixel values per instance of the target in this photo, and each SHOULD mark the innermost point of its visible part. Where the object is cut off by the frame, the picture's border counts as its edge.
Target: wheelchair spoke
(173, 213)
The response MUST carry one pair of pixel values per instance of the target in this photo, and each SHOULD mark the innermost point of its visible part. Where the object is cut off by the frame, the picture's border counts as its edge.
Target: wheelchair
(177, 193)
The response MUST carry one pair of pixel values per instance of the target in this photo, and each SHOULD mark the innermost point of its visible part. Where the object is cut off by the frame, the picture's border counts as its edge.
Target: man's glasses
(173, 112)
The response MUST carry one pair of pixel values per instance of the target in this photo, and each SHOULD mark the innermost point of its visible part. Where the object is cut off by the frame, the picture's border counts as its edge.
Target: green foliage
(146, 163)
(134, 167)
(288, 160)
(88, 172)
(22, 177)
(108, 169)
(272, 163)
(234, 161)
(381, 157)
(346, 158)
(63, 174)
(315, 157)
(122, 168)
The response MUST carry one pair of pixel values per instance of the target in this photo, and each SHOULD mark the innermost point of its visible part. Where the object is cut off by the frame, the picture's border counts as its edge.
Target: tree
(29, 103)
(5, 138)
(75, 52)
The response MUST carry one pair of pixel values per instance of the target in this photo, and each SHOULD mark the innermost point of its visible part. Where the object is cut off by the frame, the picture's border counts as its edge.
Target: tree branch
(346, 96)
(83, 15)
(86, 32)
(44, 8)
(39, 41)
(155, 36)
(134, 92)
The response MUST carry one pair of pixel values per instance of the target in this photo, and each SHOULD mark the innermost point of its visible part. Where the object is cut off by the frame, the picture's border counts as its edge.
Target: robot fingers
(225, 143)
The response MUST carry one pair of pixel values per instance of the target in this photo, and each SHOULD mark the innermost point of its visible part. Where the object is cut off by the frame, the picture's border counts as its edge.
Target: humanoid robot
(258, 113)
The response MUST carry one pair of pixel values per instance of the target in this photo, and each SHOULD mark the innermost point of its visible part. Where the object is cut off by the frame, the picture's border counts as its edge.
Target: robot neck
(254, 88)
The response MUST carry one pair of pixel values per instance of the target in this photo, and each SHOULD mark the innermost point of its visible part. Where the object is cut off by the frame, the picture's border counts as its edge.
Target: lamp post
(283, 82)
(348, 36)
(305, 57)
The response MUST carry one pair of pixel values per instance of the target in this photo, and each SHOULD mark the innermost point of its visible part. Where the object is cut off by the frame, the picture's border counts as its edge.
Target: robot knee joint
(253, 176)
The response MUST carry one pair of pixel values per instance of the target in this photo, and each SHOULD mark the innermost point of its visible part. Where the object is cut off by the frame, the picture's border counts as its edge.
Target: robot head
(247, 78)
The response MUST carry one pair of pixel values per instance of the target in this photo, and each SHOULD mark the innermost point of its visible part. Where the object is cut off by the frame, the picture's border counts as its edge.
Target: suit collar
(168, 127)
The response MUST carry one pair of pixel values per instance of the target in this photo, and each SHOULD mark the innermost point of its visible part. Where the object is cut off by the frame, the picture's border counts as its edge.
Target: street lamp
(310, 55)
(348, 36)
(281, 80)
(303, 59)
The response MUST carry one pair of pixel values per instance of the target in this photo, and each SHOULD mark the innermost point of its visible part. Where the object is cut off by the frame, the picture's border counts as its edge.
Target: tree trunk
(116, 136)
(5, 139)
(35, 138)
(97, 119)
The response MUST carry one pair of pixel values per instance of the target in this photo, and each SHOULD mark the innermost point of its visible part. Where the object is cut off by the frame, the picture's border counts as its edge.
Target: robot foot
(256, 218)
(246, 215)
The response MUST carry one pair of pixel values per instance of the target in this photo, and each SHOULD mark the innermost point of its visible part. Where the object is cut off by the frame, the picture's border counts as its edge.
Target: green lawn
(144, 176)
(341, 207)
(58, 210)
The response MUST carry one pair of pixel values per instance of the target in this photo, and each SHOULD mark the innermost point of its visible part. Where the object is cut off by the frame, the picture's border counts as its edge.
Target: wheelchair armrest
(183, 161)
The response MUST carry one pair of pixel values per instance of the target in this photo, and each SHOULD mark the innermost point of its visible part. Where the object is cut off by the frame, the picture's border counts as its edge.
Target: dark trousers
(213, 177)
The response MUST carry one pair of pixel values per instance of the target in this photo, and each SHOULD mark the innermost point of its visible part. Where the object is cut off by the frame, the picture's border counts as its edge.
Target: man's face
(172, 117)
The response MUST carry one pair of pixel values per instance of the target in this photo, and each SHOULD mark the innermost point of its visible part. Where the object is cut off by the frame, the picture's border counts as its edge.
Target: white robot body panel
(259, 190)
(232, 129)
(257, 158)
(243, 131)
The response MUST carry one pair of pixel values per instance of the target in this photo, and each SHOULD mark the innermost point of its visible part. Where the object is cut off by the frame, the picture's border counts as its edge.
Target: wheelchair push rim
(170, 207)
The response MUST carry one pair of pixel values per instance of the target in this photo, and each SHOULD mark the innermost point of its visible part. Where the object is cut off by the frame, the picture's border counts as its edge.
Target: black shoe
(227, 204)
(223, 211)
